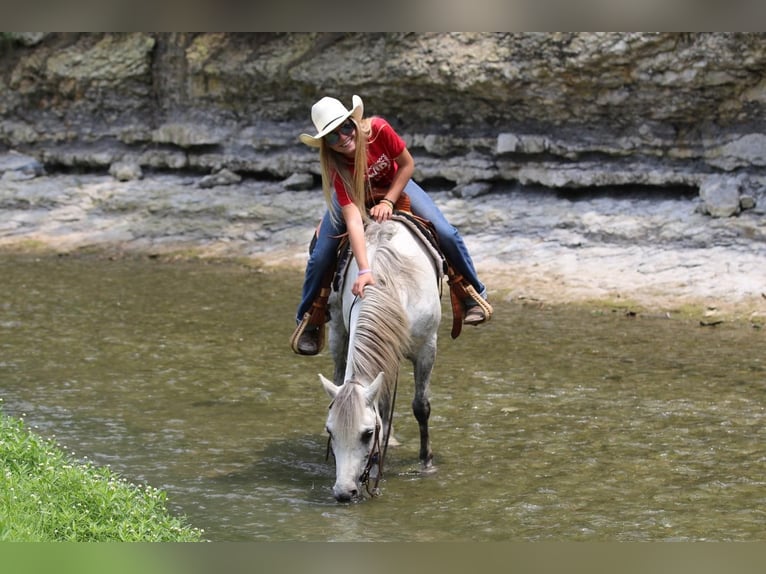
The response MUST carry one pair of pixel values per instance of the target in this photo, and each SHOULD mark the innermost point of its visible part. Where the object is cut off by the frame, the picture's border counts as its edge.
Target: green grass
(47, 496)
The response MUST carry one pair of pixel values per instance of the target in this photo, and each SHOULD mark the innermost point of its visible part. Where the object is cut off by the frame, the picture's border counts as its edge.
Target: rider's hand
(382, 211)
(361, 281)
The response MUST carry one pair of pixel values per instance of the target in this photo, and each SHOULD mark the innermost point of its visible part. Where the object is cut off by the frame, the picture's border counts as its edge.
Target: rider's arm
(406, 168)
(355, 228)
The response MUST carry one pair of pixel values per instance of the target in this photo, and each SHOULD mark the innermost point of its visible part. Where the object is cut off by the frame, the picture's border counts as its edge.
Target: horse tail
(382, 330)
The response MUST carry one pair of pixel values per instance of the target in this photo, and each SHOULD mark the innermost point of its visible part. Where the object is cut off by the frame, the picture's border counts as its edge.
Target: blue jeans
(322, 257)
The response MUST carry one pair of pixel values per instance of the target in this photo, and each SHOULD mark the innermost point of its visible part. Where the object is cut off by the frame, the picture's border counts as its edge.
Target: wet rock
(518, 143)
(299, 182)
(747, 150)
(163, 159)
(438, 145)
(16, 166)
(474, 189)
(188, 135)
(112, 61)
(16, 133)
(125, 170)
(96, 158)
(720, 196)
(223, 177)
(461, 170)
(747, 202)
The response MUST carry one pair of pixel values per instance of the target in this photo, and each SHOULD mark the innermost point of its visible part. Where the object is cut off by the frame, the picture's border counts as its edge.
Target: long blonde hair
(332, 163)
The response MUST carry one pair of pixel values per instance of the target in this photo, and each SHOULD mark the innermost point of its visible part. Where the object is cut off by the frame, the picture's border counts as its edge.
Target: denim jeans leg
(321, 258)
(450, 240)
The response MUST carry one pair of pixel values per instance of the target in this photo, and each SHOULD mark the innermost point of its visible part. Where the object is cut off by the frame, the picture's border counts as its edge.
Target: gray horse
(397, 318)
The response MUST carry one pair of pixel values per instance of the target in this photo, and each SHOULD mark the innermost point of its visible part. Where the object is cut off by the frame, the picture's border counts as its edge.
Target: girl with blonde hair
(367, 169)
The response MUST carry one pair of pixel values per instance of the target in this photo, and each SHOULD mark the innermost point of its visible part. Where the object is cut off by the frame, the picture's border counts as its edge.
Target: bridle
(372, 458)
(376, 455)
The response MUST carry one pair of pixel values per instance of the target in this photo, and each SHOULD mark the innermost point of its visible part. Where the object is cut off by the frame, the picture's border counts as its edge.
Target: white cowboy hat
(327, 114)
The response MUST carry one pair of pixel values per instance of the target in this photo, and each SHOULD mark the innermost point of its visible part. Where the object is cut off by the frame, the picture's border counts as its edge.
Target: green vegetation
(47, 496)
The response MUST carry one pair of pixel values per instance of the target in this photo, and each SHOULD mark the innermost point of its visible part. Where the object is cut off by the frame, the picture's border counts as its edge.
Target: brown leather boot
(477, 309)
(308, 338)
(308, 342)
(475, 315)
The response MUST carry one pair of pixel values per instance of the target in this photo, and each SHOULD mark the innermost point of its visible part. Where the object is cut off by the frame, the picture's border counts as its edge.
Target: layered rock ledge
(559, 110)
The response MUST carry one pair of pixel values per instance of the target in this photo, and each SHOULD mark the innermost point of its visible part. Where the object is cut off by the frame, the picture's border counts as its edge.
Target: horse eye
(367, 436)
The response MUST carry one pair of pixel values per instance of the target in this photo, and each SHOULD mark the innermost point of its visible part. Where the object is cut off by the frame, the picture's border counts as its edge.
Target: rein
(364, 478)
(388, 435)
(374, 455)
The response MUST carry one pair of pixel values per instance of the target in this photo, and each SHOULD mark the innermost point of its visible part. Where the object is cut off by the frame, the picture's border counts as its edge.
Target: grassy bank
(46, 495)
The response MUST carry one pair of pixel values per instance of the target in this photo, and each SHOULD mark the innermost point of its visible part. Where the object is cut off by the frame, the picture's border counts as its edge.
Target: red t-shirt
(383, 146)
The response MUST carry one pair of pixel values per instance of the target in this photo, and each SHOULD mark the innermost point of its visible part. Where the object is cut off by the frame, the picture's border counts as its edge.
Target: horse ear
(330, 388)
(371, 393)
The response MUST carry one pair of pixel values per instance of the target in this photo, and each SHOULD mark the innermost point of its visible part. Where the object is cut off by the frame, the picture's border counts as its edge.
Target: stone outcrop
(479, 110)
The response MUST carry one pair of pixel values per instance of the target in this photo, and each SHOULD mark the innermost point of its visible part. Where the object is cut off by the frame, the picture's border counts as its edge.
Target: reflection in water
(548, 423)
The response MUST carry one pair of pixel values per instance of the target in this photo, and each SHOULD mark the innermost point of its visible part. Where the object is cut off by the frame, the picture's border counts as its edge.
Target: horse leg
(421, 408)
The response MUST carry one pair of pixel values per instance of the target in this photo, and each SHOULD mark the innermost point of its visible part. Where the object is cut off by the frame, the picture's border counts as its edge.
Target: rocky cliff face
(478, 110)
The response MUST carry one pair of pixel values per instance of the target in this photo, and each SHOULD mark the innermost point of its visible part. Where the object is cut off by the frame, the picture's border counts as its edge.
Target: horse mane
(382, 335)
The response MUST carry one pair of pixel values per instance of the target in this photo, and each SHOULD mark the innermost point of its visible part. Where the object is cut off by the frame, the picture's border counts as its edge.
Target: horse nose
(345, 495)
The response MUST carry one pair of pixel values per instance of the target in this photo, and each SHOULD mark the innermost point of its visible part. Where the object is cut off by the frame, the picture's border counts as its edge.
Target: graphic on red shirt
(383, 146)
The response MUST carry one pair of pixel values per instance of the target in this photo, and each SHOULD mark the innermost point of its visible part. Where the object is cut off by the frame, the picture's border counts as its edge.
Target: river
(548, 423)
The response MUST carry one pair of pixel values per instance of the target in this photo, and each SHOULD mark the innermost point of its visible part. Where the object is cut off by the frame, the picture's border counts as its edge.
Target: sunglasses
(346, 129)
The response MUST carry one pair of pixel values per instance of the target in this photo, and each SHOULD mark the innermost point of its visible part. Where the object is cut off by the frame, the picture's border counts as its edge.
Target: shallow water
(547, 423)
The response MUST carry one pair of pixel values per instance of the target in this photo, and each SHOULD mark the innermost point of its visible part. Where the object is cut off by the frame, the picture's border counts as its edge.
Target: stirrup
(480, 301)
(295, 337)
